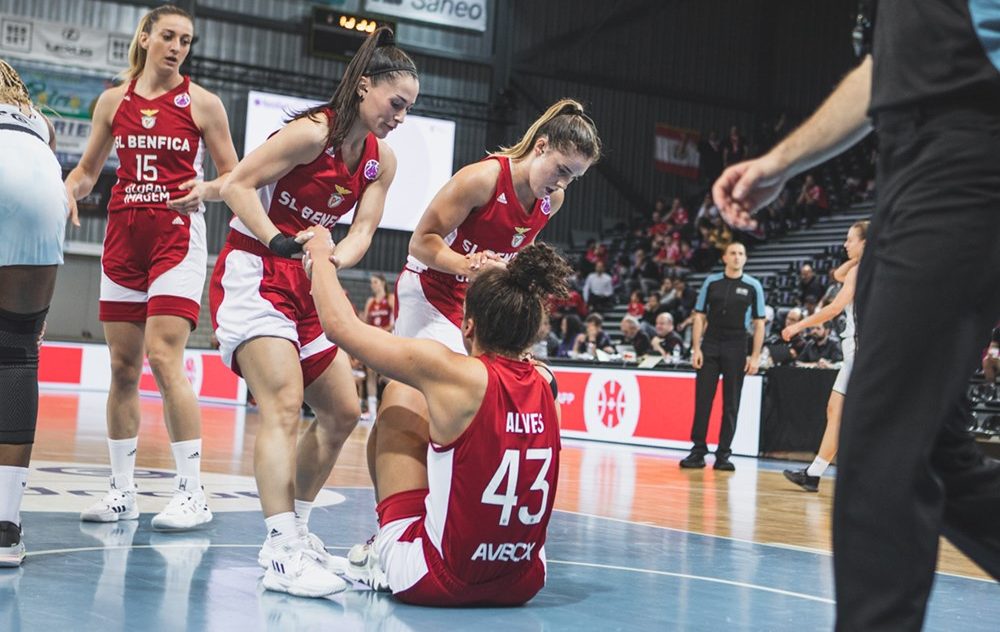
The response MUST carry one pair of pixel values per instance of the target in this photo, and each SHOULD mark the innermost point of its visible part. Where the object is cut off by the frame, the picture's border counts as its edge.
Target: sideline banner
(63, 44)
(652, 408)
(87, 367)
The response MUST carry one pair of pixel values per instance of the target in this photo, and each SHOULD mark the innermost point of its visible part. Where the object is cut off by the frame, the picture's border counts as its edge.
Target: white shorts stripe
(187, 278)
(244, 313)
(418, 318)
(111, 291)
(403, 562)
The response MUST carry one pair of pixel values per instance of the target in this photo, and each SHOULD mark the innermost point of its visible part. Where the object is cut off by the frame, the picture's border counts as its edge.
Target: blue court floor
(606, 572)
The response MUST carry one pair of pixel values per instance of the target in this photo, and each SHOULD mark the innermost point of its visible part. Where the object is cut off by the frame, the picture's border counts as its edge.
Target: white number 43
(508, 470)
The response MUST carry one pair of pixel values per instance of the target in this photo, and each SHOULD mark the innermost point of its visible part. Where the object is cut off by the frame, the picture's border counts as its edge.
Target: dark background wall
(699, 64)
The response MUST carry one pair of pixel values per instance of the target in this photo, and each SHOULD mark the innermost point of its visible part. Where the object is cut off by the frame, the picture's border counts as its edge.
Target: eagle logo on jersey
(371, 169)
(546, 205)
(148, 118)
(520, 235)
(337, 196)
(182, 100)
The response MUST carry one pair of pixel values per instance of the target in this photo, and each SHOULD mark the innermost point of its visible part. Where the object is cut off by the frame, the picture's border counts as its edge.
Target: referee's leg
(913, 363)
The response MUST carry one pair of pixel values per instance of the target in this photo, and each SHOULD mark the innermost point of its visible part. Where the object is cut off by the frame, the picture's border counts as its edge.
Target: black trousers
(928, 294)
(726, 358)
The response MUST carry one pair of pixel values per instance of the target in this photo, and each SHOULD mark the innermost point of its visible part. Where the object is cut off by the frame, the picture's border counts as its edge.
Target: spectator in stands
(599, 289)
(547, 345)
(636, 304)
(678, 216)
(591, 255)
(811, 202)
(735, 150)
(707, 210)
(821, 351)
(571, 327)
(653, 307)
(991, 359)
(709, 158)
(681, 300)
(644, 274)
(593, 338)
(810, 285)
(666, 339)
(658, 221)
(572, 303)
(632, 334)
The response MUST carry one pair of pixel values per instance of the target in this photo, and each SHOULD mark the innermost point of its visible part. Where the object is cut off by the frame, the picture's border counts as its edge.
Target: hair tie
(385, 38)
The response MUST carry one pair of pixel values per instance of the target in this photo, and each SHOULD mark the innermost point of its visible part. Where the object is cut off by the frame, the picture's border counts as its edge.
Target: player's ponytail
(567, 128)
(507, 305)
(136, 53)
(380, 60)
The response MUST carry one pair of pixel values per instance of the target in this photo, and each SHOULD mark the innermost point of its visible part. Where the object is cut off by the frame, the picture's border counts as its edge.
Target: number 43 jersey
(159, 148)
(492, 489)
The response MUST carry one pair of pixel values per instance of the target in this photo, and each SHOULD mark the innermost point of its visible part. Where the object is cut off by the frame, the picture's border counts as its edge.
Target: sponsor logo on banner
(65, 44)
(611, 404)
(463, 14)
(676, 151)
(182, 100)
(148, 118)
(519, 236)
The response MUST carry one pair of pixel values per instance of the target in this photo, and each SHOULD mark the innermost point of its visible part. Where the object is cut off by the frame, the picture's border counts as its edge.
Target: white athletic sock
(12, 483)
(817, 467)
(302, 510)
(281, 529)
(122, 453)
(187, 457)
(372, 407)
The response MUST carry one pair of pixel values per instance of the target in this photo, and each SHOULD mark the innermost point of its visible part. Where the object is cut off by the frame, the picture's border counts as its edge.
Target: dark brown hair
(380, 60)
(136, 53)
(567, 128)
(507, 305)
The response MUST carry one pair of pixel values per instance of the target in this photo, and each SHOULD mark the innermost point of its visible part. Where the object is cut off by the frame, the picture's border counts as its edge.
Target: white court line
(778, 545)
(715, 580)
(628, 569)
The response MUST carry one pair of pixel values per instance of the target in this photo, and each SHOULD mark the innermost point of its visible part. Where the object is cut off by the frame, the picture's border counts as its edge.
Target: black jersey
(730, 304)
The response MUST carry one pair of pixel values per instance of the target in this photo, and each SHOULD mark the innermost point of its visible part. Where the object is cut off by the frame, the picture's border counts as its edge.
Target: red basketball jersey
(379, 314)
(319, 192)
(159, 148)
(492, 489)
(502, 225)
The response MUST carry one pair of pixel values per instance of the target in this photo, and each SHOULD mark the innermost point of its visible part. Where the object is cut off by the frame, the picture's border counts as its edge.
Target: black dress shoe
(723, 464)
(803, 480)
(693, 461)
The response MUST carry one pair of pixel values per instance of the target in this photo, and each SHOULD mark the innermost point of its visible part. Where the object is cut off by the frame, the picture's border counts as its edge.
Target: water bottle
(675, 355)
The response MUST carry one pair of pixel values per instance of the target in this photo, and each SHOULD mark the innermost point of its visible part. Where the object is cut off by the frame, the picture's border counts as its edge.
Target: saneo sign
(463, 14)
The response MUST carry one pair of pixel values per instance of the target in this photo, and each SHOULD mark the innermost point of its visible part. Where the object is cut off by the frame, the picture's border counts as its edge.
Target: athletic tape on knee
(19, 375)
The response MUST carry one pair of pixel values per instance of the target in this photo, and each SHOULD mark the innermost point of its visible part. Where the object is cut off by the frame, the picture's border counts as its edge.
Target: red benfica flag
(675, 150)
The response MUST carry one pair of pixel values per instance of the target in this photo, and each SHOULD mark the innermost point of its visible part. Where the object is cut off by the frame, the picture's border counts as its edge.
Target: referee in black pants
(729, 301)
(907, 469)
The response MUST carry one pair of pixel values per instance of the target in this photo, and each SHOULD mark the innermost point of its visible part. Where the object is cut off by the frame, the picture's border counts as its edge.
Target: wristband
(284, 246)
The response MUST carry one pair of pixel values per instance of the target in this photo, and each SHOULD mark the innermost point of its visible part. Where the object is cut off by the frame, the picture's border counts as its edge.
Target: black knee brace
(19, 375)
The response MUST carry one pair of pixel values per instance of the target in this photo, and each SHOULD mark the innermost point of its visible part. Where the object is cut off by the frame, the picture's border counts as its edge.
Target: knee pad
(19, 375)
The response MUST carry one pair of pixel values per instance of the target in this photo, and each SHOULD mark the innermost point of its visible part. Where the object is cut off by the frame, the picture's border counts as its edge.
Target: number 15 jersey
(159, 148)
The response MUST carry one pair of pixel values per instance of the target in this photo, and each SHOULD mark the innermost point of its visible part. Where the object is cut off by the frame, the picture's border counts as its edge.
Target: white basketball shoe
(363, 566)
(312, 542)
(117, 504)
(297, 570)
(186, 510)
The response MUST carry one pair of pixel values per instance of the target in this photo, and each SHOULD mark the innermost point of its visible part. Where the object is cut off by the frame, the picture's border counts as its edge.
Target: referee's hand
(752, 365)
(697, 359)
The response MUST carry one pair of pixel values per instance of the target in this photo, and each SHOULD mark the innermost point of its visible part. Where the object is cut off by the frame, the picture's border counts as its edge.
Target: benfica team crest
(148, 118)
(520, 233)
(337, 196)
